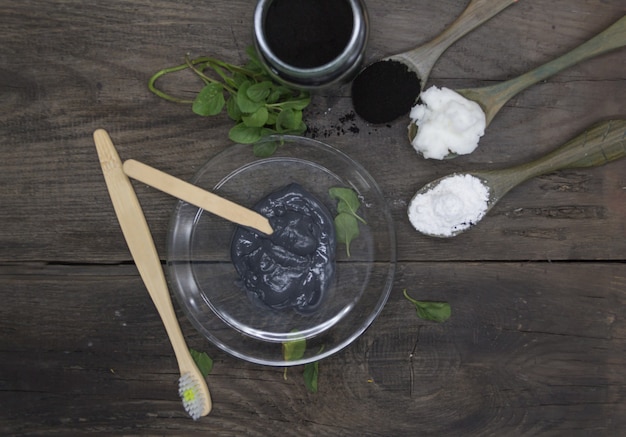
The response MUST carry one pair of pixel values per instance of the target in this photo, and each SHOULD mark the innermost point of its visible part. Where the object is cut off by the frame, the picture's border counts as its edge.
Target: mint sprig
(252, 99)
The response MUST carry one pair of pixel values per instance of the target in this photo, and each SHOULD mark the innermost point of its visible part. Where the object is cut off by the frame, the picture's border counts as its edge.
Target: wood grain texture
(536, 343)
(531, 348)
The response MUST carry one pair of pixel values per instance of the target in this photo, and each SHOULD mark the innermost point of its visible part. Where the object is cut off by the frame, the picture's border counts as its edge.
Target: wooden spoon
(397, 100)
(602, 143)
(492, 98)
(197, 196)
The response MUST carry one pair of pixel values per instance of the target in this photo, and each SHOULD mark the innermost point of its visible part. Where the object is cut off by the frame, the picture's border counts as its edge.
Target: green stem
(152, 82)
(236, 69)
(406, 295)
(152, 87)
(215, 65)
(192, 66)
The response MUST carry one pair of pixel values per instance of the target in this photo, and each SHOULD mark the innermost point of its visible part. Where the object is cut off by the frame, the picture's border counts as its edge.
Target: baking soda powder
(454, 204)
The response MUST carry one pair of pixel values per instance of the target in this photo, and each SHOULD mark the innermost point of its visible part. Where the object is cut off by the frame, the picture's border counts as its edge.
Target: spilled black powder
(346, 124)
(308, 33)
(384, 91)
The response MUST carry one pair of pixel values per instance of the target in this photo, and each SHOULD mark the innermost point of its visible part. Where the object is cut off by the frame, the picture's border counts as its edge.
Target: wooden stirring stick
(197, 196)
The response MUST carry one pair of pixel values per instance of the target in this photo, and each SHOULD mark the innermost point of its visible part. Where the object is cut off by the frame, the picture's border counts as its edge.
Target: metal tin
(336, 72)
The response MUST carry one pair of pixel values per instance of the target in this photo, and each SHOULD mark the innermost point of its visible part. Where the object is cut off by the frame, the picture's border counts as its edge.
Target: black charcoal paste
(308, 33)
(384, 91)
(293, 267)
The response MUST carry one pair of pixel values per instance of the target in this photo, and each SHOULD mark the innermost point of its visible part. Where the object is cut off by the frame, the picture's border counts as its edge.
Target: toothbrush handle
(139, 240)
(601, 143)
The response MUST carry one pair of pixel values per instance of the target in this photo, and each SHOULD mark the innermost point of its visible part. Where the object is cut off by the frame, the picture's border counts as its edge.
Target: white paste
(446, 123)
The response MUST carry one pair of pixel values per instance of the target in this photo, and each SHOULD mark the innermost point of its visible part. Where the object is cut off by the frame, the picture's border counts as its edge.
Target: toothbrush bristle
(191, 395)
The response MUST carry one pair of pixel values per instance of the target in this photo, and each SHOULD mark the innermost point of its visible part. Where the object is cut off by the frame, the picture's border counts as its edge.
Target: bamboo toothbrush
(192, 386)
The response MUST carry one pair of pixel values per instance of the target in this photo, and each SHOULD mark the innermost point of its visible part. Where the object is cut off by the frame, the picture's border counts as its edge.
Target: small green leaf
(271, 118)
(300, 129)
(267, 131)
(311, 373)
(246, 105)
(288, 119)
(232, 109)
(298, 104)
(203, 361)
(258, 92)
(347, 229)
(265, 149)
(294, 349)
(348, 201)
(256, 119)
(210, 100)
(240, 133)
(346, 225)
(273, 96)
(427, 310)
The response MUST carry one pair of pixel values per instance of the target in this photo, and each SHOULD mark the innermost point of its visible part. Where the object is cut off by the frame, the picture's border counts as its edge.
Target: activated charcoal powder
(308, 33)
(384, 91)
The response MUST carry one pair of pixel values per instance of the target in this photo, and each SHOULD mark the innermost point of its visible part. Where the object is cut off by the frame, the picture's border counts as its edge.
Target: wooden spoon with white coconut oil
(601, 143)
(492, 98)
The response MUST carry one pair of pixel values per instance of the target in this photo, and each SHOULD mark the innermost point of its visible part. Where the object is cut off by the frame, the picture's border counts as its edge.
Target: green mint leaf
(257, 118)
(300, 129)
(246, 105)
(288, 119)
(267, 131)
(271, 118)
(348, 201)
(311, 373)
(264, 149)
(258, 92)
(347, 229)
(427, 310)
(210, 100)
(203, 361)
(294, 349)
(273, 97)
(286, 91)
(298, 104)
(232, 109)
(240, 133)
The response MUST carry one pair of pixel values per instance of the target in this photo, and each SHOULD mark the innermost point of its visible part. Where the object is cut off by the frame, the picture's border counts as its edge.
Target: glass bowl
(206, 285)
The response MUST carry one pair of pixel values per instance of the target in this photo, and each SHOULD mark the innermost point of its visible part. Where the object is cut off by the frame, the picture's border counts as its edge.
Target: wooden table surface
(536, 344)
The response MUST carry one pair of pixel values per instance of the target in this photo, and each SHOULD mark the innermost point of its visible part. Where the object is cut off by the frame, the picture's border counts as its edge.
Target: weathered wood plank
(531, 348)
